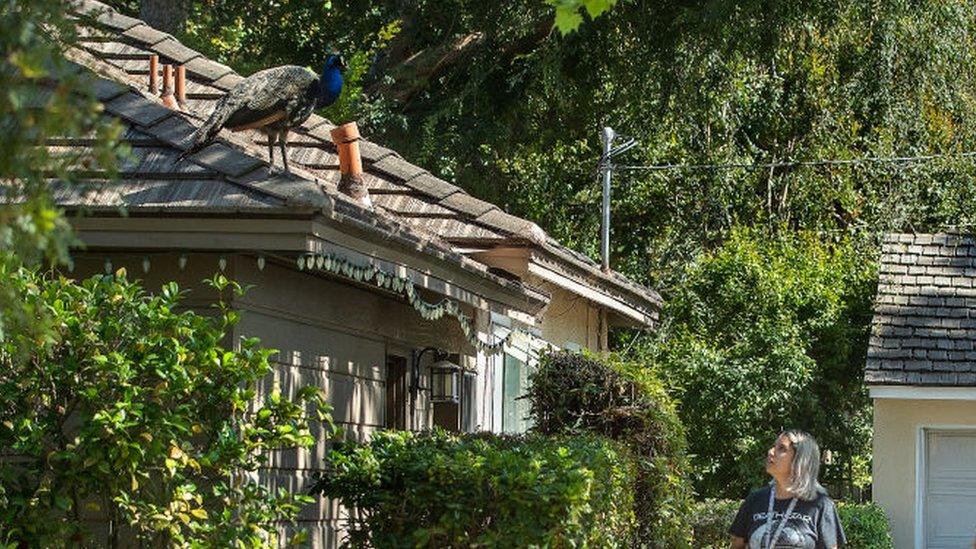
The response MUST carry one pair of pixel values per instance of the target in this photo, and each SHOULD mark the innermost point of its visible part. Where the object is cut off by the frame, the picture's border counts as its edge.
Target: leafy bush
(436, 489)
(127, 411)
(769, 332)
(865, 524)
(710, 521)
(572, 393)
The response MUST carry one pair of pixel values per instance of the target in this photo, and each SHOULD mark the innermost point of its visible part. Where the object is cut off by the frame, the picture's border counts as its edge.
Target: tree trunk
(165, 15)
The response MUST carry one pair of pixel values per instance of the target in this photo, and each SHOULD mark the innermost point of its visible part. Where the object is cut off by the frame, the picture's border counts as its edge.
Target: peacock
(273, 100)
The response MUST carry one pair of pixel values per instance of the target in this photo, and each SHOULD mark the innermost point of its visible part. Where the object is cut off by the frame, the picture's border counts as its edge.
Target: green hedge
(711, 520)
(865, 524)
(436, 489)
(625, 401)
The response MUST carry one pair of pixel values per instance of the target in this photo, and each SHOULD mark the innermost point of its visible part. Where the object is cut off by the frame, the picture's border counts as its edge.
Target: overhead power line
(797, 163)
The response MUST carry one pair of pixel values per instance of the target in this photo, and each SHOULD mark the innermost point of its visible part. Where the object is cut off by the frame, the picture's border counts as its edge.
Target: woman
(793, 511)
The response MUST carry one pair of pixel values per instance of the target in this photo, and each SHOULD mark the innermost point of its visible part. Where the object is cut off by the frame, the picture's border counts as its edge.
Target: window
(509, 374)
(515, 410)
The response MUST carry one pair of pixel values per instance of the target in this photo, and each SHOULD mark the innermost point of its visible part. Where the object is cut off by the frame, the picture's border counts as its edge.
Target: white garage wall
(898, 426)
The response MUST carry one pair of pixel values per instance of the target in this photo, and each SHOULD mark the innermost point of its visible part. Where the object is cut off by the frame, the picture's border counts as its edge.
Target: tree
(768, 333)
(129, 411)
(486, 95)
(45, 97)
(165, 15)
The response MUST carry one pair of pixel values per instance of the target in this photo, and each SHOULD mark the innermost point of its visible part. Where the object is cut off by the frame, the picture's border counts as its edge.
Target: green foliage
(485, 93)
(711, 520)
(436, 489)
(568, 17)
(129, 411)
(769, 332)
(865, 524)
(572, 393)
(43, 97)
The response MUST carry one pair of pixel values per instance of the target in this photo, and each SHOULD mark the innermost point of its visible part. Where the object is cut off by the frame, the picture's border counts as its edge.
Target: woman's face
(779, 458)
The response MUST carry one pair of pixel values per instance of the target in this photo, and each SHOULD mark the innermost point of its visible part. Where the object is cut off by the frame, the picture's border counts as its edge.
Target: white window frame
(499, 327)
(921, 468)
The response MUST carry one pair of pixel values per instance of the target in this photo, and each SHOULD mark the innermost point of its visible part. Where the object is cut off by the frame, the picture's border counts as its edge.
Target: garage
(921, 375)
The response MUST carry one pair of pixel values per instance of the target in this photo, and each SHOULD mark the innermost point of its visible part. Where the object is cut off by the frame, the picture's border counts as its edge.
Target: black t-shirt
(812, 524)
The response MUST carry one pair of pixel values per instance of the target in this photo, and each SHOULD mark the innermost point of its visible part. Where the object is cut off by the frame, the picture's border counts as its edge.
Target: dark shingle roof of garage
(924, 327)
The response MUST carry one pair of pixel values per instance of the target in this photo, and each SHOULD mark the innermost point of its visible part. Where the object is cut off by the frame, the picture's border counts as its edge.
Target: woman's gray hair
(806, 465)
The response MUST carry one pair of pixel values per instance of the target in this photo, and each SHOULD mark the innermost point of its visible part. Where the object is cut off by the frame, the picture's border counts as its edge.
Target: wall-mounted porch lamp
(445, 381)
(445, 386)
(415, 387)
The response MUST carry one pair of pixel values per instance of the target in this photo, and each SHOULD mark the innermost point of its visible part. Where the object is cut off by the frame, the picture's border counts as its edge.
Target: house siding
(896, 430)
(569, 318)
(335, 336)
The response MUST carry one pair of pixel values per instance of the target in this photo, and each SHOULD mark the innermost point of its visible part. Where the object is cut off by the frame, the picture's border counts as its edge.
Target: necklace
(769, 519)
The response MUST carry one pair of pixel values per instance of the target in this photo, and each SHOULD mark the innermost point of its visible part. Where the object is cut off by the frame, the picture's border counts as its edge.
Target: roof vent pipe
(169, 99)
(154, 74)
(181, 87)
(346, 139)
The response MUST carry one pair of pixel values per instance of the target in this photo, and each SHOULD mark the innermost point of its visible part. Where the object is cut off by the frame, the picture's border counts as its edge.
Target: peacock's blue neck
(330, 86)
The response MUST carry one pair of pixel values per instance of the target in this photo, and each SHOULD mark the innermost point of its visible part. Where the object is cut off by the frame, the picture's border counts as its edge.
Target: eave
(440, 271)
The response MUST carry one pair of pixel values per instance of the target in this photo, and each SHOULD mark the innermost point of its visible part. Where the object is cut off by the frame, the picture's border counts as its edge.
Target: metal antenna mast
(606, 169)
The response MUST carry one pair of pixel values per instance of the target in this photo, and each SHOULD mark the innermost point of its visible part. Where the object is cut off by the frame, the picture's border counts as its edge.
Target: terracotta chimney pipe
(346, 139)
(169, 99)
(181, 87)
(154, 74)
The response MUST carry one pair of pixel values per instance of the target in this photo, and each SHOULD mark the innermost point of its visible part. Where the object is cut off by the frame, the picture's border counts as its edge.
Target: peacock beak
(341, 63)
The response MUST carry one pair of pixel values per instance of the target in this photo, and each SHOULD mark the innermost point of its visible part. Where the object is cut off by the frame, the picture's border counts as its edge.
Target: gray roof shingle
(226, 160)
(924, 326)
(134, 108)
(146, 35)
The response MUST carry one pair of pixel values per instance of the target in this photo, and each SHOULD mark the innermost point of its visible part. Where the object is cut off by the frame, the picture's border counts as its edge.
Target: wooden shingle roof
(233, 173)
(924, 327)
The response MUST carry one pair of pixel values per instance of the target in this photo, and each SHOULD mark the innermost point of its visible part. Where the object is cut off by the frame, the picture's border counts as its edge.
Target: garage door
(950, 489)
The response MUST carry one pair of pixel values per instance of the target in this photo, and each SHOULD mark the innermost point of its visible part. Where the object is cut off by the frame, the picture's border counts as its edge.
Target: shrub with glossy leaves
(128, 411)
(573, 393)
(436, 489)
